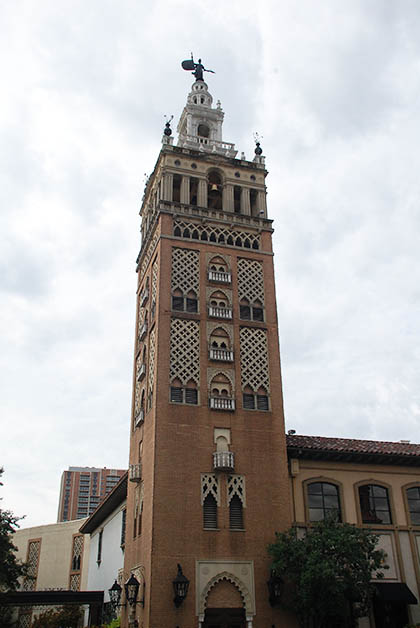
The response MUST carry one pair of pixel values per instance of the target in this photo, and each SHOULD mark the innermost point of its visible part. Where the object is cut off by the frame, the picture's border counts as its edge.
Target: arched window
(210, 512)
(323, 500)
(374, 504)
(413, 501)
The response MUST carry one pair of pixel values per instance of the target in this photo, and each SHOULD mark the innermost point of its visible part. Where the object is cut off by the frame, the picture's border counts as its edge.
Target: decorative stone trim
(239, 573)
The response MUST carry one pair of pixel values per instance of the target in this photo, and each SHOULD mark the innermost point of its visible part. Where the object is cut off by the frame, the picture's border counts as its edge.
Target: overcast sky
(333, 88)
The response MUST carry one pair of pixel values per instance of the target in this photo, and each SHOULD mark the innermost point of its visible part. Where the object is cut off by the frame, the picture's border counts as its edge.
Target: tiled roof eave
(354, 456)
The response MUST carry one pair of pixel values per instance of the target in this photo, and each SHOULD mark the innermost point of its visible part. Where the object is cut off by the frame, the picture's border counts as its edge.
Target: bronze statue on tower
(196, 68)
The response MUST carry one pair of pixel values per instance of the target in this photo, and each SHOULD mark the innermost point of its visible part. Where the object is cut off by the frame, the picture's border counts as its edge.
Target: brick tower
(208, 464)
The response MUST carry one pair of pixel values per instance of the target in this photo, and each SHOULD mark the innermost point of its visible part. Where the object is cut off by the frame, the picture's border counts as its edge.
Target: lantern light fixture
(180, 584)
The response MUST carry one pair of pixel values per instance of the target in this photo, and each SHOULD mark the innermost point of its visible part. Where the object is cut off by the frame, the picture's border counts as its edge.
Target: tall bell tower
(208, 465)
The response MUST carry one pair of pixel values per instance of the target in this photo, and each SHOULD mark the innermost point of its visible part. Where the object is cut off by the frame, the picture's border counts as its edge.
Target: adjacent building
(83, 488)
(56, 555)
(106, 529)
(374, 485)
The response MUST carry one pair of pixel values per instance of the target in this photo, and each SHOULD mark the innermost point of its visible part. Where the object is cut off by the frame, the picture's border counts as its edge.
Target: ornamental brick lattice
(254, 359)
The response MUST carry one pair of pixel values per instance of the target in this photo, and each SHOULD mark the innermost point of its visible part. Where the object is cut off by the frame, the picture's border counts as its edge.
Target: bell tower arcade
(208, 469)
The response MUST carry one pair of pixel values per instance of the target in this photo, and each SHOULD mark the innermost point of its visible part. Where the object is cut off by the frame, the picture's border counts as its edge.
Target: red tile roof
(352, 446)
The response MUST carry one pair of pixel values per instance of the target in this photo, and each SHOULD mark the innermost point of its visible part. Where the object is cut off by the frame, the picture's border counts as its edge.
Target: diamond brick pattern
(185, 351)
(236, 486)
(32, 562)
(154, 280)
(149, 252)
(254, 358)
(152, 353)
(185, 270)
(75, 582)
(250, 280)
(209, 486)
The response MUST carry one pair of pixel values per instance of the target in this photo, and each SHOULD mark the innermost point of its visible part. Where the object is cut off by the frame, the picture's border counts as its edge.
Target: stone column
(202, 193)
(185, 190)
(245, 202)
(228, 205)
(168, 182)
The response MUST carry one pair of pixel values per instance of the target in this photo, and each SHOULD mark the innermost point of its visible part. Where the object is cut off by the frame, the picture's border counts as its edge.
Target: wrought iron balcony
(141, 372)
(219, 276)
(224, 355)
(223, 461)
(220, 312)
(140, 417)
(143, 297)
(143, 331)
(135, 472)
(222, 403)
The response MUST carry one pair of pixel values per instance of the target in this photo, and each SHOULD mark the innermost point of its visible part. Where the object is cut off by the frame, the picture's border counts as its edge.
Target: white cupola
(200, 125)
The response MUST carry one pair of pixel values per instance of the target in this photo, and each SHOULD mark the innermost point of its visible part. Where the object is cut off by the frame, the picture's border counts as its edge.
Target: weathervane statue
(198, 68)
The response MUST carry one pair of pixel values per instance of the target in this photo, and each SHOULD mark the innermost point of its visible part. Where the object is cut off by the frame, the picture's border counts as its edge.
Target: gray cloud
(334, 91)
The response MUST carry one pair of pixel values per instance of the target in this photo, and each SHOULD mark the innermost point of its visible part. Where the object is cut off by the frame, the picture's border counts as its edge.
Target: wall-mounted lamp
(131, 588)
(180, 584)
(275, 588)
(115, 595)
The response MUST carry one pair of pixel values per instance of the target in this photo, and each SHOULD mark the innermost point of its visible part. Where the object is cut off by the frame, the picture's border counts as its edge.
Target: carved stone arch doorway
(226, 598)
(224, 605)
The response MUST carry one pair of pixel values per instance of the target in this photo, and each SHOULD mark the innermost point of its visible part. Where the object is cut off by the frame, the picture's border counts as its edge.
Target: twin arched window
(324, 499)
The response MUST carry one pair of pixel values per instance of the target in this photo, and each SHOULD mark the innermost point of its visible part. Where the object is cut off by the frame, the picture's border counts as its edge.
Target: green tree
(68, 616)
(327, 572)
(10, 568)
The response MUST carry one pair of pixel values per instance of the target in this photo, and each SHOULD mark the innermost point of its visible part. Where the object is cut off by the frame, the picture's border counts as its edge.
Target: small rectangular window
(176, 394)
(99, 555)
(248, 401)
(123, 525)
(192, 305)
(245, 312)
(178, 304)
(258, 314)
(191, 396)
(262, 402)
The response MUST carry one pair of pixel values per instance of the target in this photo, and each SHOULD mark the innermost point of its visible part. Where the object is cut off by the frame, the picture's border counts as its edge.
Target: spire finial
(167, 130)
(197, 68)
(257, 138)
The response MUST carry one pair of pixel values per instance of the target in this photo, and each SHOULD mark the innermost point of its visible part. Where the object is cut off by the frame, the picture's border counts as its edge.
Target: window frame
(186, 304)
(323, 480)
(183, 390)
(381, 484)
(404, 489)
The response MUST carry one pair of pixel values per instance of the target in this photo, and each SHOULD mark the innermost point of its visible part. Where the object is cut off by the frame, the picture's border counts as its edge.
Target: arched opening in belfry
(214, 190)
(203, 130)
(237, 199)
(176, 188)
(253, 200)
(193, 190)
